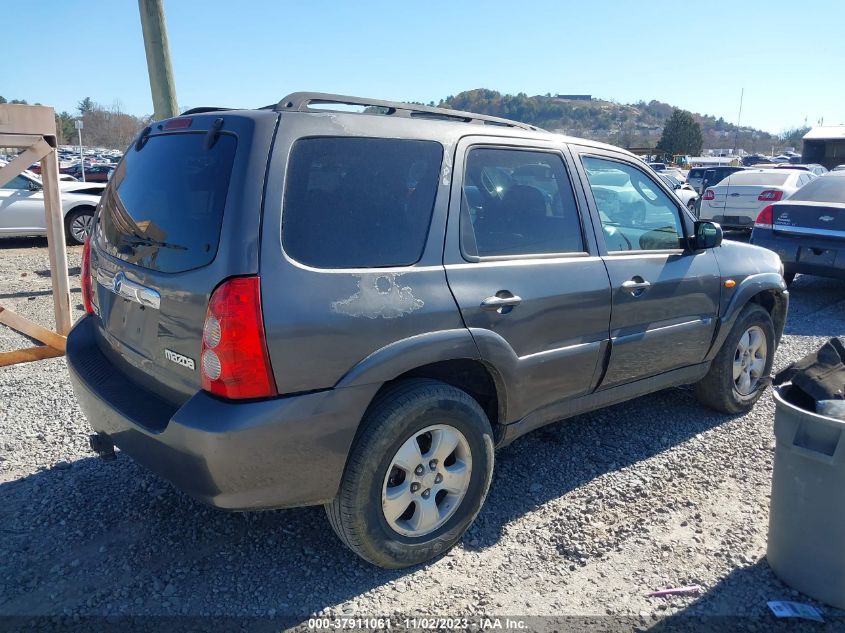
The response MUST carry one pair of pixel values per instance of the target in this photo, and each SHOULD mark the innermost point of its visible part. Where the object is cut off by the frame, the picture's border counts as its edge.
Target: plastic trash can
(806, 547)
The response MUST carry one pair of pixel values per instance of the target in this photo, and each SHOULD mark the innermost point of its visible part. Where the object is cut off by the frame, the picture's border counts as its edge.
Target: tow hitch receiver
(102, 445)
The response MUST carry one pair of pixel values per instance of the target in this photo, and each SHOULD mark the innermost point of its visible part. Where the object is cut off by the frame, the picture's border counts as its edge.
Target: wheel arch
(767, 290)
(450, 356)
(77, 206)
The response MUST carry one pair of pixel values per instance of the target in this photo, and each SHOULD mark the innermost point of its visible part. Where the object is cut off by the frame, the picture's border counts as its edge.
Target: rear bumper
(282, 452)
(726, 221)
(804, 254)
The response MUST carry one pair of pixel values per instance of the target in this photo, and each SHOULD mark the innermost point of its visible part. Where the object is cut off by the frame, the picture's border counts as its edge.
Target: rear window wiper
(148, 241)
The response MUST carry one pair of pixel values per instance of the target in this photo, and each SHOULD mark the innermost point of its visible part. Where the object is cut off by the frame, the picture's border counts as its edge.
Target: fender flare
(406, 354)
(401, 356)
(748, 288)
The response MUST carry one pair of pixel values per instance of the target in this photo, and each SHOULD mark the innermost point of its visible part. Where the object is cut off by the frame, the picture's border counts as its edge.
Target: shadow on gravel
(33, 293)
(23, 242)
(739, 603)
(96, 537)
(557, 459)
(810, 295)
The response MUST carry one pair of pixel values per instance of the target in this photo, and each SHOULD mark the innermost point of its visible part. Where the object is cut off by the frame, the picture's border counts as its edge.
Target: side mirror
(707, 235)
(33, 186)
(678, 186)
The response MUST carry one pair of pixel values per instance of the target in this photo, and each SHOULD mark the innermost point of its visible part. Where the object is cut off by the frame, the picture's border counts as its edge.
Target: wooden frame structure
(33, 129)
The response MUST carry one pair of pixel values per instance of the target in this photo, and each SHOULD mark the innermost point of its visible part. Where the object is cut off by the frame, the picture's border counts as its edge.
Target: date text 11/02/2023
(418, 623)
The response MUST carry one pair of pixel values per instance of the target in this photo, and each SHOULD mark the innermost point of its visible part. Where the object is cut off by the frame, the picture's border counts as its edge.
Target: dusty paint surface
(379, 295)
(446, 171)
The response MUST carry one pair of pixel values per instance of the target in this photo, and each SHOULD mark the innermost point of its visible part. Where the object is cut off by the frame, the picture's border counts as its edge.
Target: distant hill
(626, 125)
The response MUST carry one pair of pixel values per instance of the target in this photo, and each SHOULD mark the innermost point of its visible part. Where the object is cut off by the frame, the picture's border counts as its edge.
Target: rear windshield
(165, 207)
(359, 202)
(757, 178)
(824, 189)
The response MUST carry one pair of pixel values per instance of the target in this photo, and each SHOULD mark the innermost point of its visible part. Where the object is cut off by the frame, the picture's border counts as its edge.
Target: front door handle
(502, 302)
(636, 286)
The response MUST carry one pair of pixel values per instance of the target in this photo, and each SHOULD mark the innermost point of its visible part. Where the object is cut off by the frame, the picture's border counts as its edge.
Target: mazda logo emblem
(117, 281)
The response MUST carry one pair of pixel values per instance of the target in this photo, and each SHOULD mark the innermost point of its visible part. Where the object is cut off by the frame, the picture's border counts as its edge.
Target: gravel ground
(584, 517)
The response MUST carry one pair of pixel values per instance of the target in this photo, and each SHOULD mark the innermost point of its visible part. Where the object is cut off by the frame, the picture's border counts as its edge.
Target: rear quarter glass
(353, 202)
(165, 207)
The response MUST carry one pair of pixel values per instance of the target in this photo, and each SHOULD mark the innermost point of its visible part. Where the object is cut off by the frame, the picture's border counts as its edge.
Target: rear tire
(78, 225)
(737, 376)
(367, 512)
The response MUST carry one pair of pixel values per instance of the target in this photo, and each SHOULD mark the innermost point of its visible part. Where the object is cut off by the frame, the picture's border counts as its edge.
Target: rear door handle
(503, 301)
(636, 286)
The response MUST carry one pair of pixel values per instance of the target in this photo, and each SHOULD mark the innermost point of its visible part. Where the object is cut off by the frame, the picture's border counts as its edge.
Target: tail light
(234, 361)
(764, 218)
(770, 195)
(85, 278)
(709, 195)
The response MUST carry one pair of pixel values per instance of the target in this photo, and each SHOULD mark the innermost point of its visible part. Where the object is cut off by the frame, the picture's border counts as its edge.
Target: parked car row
(736, 201)
(807, 229)
(97, 166)
(794, 209)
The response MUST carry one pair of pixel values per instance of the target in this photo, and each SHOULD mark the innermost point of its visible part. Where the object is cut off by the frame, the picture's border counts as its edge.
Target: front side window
(518, 202)
(635, 212)
(359, 202)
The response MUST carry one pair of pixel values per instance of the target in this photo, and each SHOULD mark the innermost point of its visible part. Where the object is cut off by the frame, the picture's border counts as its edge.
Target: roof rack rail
(300, 102)
(203, 109)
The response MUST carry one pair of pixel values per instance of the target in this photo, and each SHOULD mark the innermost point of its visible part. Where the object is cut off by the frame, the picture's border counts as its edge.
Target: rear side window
(518, 202)
(165, 207)
(359, 202)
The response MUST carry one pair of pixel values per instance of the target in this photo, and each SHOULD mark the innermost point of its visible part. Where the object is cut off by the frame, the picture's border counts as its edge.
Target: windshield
(164, 209)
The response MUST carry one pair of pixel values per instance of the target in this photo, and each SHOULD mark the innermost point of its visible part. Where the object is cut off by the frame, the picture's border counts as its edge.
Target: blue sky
(696, 55)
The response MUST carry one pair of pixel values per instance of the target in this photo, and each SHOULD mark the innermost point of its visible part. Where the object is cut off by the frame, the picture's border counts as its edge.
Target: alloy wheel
(426, 481)
(749, 360)
(80, 226)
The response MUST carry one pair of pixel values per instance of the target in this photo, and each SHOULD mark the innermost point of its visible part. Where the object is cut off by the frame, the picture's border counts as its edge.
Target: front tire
(417, 475)
(737, 376)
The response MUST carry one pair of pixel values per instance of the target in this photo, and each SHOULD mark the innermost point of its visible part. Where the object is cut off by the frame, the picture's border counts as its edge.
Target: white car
(736, 201)
(22, 207)
(686, 193)
(677, 174)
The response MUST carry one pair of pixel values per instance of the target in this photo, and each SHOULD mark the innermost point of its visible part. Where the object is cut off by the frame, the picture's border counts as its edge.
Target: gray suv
(303, 305)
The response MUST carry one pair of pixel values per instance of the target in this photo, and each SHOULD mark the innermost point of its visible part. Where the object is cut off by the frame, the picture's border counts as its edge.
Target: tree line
(640, 124)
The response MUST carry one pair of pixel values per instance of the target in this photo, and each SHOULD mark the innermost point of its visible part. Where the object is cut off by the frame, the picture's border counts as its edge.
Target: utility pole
(78, 125)
(738, 120)
(158, 58)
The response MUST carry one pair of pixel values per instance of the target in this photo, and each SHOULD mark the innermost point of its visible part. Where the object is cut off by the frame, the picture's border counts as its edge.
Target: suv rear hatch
(180, 215)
